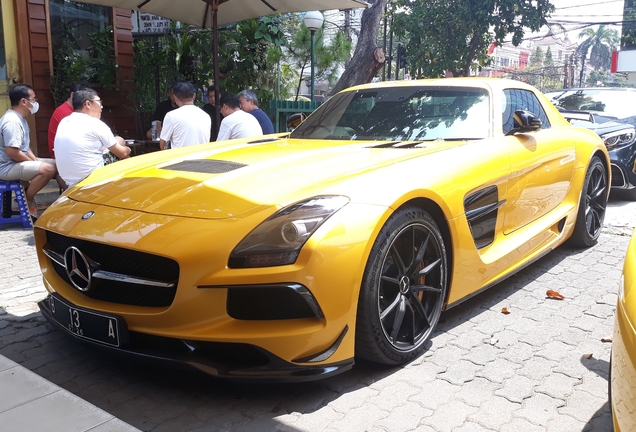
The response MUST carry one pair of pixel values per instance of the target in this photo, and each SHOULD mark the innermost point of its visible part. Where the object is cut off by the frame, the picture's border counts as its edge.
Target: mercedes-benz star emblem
(88, 215)
(77, 268)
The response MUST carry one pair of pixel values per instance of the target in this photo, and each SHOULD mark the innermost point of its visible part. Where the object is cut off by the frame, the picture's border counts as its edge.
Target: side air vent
(205, 166)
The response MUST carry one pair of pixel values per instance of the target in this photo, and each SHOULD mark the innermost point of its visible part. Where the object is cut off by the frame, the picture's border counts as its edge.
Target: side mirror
(294, 120)
(525, 121)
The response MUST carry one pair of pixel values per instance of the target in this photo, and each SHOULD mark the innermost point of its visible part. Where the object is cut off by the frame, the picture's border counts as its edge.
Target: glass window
(72, 23)
(409, 113)
(3, 58)
(517, 99)
(610, 103)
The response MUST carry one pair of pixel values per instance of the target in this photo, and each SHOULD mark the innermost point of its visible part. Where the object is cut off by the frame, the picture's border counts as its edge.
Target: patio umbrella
(211, 13)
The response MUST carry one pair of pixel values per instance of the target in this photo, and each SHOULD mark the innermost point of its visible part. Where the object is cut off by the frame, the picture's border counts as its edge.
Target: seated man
(236, 123)
(249, 104)
(188, 124)
(17, 161)
(82, 138)
(163, 108)
(210, 109)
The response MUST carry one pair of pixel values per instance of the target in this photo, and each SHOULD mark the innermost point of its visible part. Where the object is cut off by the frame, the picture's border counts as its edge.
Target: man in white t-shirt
(82, 138)
(188, 124)
(236, 123)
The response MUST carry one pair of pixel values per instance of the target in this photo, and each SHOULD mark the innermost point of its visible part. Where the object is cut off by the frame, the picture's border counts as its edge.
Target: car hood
(602, 128)
(224, 180)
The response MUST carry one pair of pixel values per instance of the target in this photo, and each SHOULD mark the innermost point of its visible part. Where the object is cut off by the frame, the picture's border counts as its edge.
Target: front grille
(618, 179)
(123, 261)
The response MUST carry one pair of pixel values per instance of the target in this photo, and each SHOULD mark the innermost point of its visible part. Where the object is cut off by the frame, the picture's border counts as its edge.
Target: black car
(611, 113)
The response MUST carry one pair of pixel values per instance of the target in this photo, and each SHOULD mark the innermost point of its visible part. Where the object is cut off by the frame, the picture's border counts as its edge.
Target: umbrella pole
(215, 54)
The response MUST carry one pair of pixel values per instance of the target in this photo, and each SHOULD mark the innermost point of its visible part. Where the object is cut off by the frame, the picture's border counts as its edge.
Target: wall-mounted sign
(148, 23)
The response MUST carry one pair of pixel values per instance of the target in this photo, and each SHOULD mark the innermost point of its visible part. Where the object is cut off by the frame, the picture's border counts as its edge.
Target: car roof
(492, 83)
(592, 88)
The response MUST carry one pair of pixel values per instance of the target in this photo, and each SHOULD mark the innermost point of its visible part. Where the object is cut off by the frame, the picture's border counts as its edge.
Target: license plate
(86, 324)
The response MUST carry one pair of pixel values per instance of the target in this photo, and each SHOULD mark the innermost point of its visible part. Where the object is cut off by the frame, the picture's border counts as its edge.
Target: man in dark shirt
(162, 109)
(211, 110)
(249, 104)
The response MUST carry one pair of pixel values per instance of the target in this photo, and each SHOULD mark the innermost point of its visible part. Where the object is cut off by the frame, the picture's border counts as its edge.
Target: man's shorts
(25, 171)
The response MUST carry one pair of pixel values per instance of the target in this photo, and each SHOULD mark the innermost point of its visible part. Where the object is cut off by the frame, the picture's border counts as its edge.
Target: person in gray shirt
(17, 161)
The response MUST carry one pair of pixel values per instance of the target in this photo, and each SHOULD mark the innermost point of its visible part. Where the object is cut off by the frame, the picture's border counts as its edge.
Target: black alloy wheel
(593, 203)
(403, 290)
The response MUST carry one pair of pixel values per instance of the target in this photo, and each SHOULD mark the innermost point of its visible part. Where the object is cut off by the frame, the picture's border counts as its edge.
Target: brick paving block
(602, 422)
(582, 406)
(505, 339)
(471, 427)
(449, 416)
(516, 388)
(309, 399)
(539, 336)
(572, 336)
(519, 424)
(558, 386)
(459, 372)
(539, 409)
(470, 339)
(318, 421)
(586, 323)
(403, 418)
(484, 353)
(494, 413)
(538, 368)
(555, 350)
(477, 391)
(360, 418)
(447, 355)
(436, 394)
(594, 384)
(393, 395)
(420, 373)
(497, 371)
(352, 399)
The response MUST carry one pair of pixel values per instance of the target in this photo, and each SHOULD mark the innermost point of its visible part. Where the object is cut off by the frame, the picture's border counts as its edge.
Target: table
(138, 147)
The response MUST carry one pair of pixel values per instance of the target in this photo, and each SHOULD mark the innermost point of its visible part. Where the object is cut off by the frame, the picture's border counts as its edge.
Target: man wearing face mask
(17, 161)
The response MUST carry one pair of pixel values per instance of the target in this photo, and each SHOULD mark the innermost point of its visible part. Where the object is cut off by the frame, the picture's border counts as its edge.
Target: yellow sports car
(623, 361)
(288, 256)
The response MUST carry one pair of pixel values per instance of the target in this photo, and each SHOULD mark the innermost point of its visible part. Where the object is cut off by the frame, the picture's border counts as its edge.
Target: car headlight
(278, 240)
(619, 138)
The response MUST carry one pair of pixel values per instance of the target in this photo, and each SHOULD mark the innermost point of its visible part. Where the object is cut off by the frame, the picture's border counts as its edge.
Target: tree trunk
(367, 58)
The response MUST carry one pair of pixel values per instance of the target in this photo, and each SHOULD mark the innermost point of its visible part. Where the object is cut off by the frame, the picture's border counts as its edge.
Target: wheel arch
(606, 164)
(436, 212)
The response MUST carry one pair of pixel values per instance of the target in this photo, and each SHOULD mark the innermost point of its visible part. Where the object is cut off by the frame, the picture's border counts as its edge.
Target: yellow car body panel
(623, 364)
(152, 204)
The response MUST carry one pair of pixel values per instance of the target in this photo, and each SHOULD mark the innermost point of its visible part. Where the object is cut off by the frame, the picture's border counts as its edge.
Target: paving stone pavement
(483, 370)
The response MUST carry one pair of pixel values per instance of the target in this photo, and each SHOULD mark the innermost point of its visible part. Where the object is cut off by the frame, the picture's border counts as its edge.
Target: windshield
(611, 103)
(401, 114)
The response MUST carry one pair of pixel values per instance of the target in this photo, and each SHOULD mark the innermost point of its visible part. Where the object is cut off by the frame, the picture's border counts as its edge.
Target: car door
(542, 163)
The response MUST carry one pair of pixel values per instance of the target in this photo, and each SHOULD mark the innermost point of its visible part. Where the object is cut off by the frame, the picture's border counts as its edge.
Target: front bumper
(623, 163)
(623, 372)
(234, 361)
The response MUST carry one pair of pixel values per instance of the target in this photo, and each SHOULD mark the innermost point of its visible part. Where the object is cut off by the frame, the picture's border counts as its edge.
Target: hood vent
(205, 166)
(265, 140)
(400, 145)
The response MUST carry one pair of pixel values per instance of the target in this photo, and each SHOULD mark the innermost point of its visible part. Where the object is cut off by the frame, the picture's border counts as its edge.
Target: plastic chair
(7, 215)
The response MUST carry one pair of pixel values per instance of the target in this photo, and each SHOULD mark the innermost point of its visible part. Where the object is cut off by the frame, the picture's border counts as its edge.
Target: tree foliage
(599, 44)
(329, 55)
(454, 35)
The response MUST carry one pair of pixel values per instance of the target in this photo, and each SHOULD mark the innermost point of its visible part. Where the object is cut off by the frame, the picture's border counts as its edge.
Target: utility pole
(582, 70)
(384, 46)
(390, 56)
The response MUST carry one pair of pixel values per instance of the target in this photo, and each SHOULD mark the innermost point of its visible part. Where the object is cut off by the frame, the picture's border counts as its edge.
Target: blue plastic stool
(7, 215)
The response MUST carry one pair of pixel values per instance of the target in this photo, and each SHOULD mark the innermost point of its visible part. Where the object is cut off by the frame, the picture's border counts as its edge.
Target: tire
(626, 194)
(591, 213)
(403, 289)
